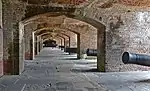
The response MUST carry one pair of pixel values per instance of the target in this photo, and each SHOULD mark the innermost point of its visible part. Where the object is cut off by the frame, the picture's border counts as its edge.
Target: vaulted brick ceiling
(136, 2)
(108, 3)
(54, 1)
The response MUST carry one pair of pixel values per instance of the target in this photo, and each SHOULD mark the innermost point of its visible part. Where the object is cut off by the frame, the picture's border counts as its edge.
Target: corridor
(54, 70)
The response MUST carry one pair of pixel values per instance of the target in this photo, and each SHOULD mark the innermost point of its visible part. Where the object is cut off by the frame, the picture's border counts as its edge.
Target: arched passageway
(80, 39)
(44, 16)
(111, 27)
(21, 44)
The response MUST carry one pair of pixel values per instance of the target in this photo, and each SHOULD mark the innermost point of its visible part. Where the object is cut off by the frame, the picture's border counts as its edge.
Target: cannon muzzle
(139, 59)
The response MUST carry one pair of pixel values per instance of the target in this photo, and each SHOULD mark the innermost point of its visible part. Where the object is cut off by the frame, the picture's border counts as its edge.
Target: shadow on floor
(84, 70)
(91, 58)
(70, 59)
(65, 54)
(81, 63)
(143, 81)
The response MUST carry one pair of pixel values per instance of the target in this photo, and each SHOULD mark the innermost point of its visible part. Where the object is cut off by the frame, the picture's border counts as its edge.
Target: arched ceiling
(52, 35)
(57, 37)
(45, 2)
(78, 2)
(135, 2)
(109, 3)
(58, 23)
(48, 20)
(54, 29)
(49, 36)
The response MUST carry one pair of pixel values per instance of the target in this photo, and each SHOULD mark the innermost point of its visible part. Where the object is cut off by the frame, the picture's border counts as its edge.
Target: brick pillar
(33, 45)
(1, 41)
(58, 41)
(78, 46)
(69, 42)
(61, 42)
(101, 49)
(64, 43)
(28, 45)
(31, 48)
(73, 40)
(41, 44)
(1, 52)
(13, 51)
(37, 44)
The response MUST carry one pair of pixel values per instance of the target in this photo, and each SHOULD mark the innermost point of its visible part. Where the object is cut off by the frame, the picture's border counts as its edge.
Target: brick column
(69, 41)
(78, 46)
(38, 44)
(41, 43)
(1, 52)
(13, 51)
(101, 50)
(28, 45)
(73, 40)
(1, 41)
(33, 45)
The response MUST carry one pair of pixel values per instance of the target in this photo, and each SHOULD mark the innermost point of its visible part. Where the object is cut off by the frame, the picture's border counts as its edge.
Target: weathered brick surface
(28, 47)
(73, 39)
(58, 41)
(12, 14)
(1, 52)
(8, 67)
(126, 30)
(88, 36)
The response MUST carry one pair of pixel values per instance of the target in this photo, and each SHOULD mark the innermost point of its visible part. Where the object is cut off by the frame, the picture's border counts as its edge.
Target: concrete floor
(54, 70)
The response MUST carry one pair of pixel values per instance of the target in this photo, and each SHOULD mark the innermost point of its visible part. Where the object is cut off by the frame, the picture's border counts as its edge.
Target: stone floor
(54, 70)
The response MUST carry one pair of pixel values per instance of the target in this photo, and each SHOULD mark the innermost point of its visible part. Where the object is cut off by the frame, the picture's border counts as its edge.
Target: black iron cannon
(132, 58)
(61, 47)
(71, 50)
(91, 52)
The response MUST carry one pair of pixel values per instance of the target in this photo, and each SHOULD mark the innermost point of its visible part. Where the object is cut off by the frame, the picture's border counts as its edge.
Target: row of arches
(28, 24)
(39, 34)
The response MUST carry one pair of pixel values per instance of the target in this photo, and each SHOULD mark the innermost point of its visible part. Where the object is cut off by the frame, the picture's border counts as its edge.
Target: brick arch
(86, 19)
(62, 39)
(61, 29)
(74, 34)
(135, 2)
(101, 28)
(58, 41)
(68, 37)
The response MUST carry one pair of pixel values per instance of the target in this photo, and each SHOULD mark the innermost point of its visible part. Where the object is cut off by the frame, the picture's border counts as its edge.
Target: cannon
(61, 46)
(139, 59)
(71, 50)
(91, 52)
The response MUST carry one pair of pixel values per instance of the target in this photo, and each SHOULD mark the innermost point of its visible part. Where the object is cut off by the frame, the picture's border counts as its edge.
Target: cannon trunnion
(132, 58)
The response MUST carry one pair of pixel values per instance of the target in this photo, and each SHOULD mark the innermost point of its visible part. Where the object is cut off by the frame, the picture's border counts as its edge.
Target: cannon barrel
(71, 50)
(91, 52)
(139, 59)
(61, 46)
